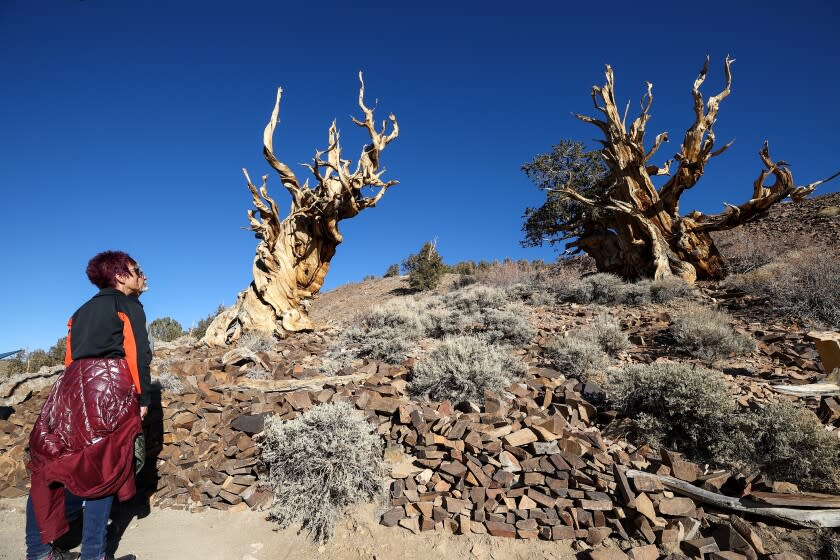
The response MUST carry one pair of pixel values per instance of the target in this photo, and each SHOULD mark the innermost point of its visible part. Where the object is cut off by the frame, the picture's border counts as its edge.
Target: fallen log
(808, 390)
(801, 518)
(287, 385)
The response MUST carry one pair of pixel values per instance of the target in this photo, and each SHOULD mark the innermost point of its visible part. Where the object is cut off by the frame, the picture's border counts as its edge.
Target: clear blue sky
(124, 124)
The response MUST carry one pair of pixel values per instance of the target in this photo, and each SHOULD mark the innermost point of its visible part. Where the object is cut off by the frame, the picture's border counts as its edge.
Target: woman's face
(135, 280)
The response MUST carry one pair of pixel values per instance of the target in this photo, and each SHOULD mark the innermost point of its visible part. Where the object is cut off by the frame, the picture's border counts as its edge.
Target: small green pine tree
(424, 269)
(166, 329)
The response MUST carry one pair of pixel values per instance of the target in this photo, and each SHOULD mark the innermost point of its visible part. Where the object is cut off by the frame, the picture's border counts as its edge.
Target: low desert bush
(166, 329)
(170, 382)
(391, 271)
(601, 287)
(404, 315)
(578, 356)
(677, 406)
(483, 311)
(539, 296)
(706, 333)
(743, 251)
(462, 368)
(829, 543)
(605, 330)
(386, 344)
(804, 284)
(389, 333)
(670, 288)
(321, 463)
(637, 293)
(508, 273)
(790, 443)
(473, 300)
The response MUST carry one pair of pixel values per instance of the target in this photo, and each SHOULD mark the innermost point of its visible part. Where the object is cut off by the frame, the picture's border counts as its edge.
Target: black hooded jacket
(97, 330)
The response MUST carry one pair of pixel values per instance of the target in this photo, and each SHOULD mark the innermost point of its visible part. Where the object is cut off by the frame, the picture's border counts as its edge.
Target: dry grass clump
(745, 251)
(578, 356)
(507, 273)
(461, 368)
(677, 406)
(321, 463)
(804, 284)
(706, 333)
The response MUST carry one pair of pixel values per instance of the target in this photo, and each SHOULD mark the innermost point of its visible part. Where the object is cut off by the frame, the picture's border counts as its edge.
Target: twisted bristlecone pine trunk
(293, 254)
(639, 231)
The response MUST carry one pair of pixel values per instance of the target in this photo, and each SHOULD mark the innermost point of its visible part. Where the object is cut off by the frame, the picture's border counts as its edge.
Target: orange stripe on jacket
(68, 349)
(130, 347)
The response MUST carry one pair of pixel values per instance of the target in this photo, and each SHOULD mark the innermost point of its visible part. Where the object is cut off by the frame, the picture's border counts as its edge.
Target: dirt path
(216, 535)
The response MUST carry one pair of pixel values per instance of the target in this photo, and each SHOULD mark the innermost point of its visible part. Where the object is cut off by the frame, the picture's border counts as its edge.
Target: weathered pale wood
(639, 230)
(803, 499)
(802, 518)
(288, 385)
(808, 390)
(293, 254)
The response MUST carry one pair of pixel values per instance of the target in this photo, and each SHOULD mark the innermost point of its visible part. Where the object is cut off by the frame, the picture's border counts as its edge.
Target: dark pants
(95, 514)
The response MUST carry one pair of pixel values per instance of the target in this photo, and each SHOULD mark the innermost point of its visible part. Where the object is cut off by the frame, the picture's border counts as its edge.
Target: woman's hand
(143, 411)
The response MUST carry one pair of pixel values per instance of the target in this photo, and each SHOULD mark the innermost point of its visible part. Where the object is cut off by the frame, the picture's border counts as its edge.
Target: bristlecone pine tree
(634, 229)
(293, 254)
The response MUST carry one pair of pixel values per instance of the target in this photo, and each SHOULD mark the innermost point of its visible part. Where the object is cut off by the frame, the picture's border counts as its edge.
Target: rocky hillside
(546, 455)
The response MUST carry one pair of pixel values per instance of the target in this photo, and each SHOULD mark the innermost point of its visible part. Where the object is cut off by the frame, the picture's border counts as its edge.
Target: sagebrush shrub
(637, 293)
(401, 314)
(706, 333)
(790, 443)
(677, 406)
(166, 329)
(393, 270)
(690, 409)
(670, 288)
(321, 463)
(605, 330)
(170, 383)
(578, 356)
(804, 284)
(601, 287)
(475, 299)
(386, 344)
(461, 368)
(482, 311)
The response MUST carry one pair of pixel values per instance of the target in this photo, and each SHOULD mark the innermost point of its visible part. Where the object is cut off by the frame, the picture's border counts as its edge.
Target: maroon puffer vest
(83, 440)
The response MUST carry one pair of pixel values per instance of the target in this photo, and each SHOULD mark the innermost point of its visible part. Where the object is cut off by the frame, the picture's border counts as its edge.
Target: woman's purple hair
(104, 267)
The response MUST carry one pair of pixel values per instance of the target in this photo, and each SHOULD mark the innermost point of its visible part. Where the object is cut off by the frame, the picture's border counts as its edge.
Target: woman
(82, 445)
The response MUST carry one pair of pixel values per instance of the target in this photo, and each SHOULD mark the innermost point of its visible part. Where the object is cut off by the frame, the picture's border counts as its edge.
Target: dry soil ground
(215, 535)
